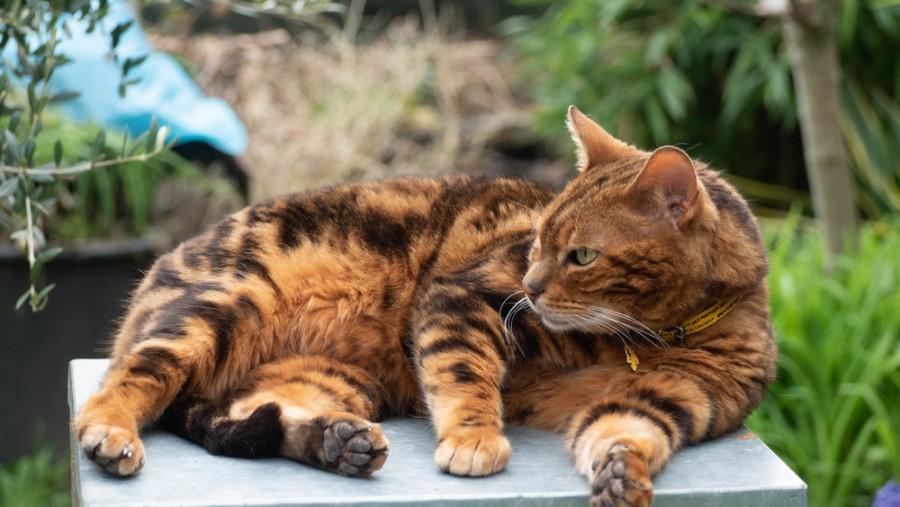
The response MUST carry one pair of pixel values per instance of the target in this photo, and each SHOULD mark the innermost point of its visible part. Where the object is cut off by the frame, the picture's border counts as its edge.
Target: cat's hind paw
(117, 450)
(473, 452)
(620, 479)
(352, 446)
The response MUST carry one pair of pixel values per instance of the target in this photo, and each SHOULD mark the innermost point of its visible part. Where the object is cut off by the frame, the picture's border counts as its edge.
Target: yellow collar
(694, 324)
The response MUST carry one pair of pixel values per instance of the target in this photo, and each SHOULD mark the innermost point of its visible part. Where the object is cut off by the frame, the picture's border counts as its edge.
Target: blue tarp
(164, 90)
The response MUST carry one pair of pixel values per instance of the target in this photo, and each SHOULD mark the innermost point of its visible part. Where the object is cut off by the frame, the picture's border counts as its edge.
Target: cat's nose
(536, 280)
(533, 288)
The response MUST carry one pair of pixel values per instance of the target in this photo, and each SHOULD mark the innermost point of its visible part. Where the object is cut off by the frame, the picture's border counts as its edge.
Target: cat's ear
(669, 172)
(593, 145)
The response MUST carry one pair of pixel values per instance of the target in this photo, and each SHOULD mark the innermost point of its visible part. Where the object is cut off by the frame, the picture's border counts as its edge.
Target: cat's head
(653, 236)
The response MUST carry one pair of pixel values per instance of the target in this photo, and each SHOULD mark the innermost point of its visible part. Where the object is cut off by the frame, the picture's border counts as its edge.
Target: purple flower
(888, 496)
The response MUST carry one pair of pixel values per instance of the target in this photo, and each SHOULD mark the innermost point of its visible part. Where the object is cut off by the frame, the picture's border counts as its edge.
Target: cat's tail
(207, 424)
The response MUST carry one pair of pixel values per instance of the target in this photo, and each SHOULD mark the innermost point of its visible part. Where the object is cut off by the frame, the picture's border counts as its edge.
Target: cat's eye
(583, 256)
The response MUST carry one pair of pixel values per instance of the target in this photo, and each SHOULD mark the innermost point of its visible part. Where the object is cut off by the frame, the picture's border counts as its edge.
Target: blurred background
(130, 127)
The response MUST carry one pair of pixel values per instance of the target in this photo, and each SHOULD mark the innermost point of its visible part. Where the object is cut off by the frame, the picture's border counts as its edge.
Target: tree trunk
(811, 41)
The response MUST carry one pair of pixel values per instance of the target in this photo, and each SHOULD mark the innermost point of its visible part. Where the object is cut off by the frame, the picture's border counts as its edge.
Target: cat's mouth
(551, 320)
(557, 324)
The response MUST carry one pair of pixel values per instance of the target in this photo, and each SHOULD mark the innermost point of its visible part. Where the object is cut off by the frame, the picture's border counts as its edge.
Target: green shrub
(40, 479)
(715, 74)
(832, 414)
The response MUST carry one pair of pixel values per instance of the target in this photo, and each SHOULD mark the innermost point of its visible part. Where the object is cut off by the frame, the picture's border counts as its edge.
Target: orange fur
(292, 326)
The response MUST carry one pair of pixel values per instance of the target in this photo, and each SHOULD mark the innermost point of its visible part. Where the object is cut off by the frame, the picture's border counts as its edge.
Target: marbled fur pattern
(293, 326)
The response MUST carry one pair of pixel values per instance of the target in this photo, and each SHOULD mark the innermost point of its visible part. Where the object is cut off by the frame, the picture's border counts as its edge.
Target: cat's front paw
(118, 450)
(621, 478)
(472, 452)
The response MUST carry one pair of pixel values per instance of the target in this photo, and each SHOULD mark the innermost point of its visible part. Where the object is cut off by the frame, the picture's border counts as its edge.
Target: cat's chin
(557, 324)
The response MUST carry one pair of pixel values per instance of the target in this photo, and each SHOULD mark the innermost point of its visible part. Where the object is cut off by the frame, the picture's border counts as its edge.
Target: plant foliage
(36, 479)
(30, 33)
(831, 414)
(713, 72)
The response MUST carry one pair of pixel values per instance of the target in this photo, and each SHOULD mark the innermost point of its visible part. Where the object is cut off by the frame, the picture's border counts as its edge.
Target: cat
(629, 312)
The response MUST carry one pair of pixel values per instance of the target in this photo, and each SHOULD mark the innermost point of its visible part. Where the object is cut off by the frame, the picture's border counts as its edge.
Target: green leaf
(40, 177)
(137, 144)
(9, 186)
(32, 96)
(29, 151)
(42, 295)
(57, 152)
(117, 32)
(64, 96)
(99, 144)
(150, 141)
(131, 63)
(22, 299)
(12, 147)
(123, 86)
(49, 254)
(41, 259)
(14, 121)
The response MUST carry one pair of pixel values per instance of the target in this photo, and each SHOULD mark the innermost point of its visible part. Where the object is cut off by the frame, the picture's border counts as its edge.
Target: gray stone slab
(736, 470)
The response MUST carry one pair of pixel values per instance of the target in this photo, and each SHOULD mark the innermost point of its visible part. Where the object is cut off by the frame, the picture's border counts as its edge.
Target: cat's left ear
(669, 172)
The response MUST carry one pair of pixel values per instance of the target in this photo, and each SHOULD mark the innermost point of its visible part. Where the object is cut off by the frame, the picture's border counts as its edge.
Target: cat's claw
(117, 450)
(473, 452)
(621, 479)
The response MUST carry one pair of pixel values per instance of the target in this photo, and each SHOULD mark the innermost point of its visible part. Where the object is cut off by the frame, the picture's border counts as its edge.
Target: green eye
(584, 256)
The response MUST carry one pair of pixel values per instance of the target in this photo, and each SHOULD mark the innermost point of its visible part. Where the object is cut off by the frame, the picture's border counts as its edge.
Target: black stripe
(353, 382)
(444, 345)
(450, 303)
(248, 263)
(463, 374)
(586, 343)
(296, 220)
(220, 258)
(155, 362)
(682, 416)
(520, 415)
(247, 305)
(222, 319)
(491, 331)
(306, 380)
(165, 275)
(612, 407)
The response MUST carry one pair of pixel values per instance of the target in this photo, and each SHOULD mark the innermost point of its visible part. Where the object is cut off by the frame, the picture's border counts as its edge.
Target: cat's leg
(131, 395)
(177, 338)
(621, 427)
(461, 355)
(308, 408)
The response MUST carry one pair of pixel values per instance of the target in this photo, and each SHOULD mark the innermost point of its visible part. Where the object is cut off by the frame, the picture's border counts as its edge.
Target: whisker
(517, 307)
(626, 326)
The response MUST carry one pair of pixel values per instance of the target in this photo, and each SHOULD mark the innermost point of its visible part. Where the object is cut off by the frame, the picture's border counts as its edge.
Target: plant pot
(92, 286)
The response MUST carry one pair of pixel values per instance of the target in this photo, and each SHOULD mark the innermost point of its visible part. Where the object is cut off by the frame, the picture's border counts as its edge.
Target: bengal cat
(629, 312)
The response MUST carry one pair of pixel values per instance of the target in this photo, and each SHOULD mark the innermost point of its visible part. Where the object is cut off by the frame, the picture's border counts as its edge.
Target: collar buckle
(679, 334)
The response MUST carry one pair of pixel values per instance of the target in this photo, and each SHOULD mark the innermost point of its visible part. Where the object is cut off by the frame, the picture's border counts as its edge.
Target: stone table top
(737, 469)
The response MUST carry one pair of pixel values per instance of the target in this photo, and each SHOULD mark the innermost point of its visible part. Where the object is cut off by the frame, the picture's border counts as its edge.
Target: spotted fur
(292, 327)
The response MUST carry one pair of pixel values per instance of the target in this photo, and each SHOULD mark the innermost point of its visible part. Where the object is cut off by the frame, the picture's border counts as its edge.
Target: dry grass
(321, 108)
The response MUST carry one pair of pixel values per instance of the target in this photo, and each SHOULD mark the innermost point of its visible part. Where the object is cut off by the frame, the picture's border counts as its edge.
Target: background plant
(36, 479)
(717, 74)
(30, 35)
(831, 414)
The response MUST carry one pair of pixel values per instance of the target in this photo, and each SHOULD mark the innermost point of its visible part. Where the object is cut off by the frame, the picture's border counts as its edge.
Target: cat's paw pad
(352, 446)
(117, 450)
(621, 478)
(473, 452)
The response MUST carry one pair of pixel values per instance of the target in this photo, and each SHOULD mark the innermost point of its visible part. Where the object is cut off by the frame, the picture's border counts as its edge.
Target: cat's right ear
(593, 145)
